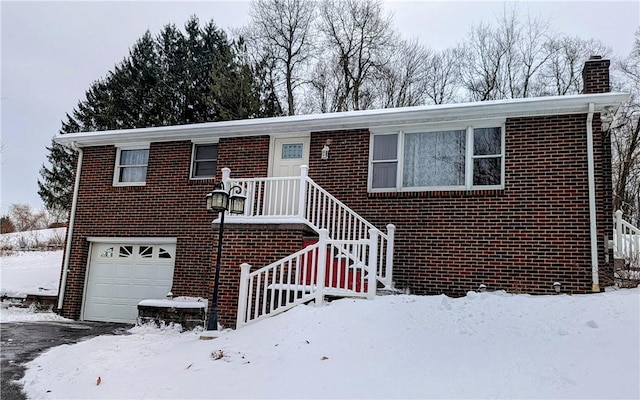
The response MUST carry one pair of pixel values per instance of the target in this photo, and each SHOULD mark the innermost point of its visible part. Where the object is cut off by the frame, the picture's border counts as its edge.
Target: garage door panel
(121, 275)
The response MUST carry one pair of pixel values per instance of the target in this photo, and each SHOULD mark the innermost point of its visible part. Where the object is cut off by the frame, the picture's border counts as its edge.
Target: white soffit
(365, 119)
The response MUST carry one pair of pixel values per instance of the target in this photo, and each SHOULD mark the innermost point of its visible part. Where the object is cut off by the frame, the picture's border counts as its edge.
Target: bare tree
(442, 77)
(562, 73)
(625, 138)
(402, 80)
(484, 56)
(25, 219)
(505, 60)
(282, 31)
(527, 53)
(355, 36)
(6, 225)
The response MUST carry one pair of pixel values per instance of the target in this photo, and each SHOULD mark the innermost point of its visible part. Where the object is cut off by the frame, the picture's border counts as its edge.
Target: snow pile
(488, 345)
(177, 302)
(11, 313)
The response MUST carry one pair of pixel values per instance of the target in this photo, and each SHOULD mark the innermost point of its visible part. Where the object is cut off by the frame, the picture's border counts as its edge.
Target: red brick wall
(520, 239)
(258, 245)
(595, 75)
(169, 205)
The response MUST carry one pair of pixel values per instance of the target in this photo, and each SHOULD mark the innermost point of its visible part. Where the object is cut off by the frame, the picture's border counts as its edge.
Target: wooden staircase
(349, 258)
(340, 274)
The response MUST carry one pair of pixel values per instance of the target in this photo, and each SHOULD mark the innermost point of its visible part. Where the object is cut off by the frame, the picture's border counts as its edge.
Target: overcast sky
(53, 51)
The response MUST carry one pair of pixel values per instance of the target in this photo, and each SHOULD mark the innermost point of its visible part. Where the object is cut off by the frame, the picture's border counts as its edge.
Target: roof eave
(366, 119)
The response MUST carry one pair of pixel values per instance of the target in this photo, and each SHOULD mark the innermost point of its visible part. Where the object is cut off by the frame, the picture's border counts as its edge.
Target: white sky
(52, 52)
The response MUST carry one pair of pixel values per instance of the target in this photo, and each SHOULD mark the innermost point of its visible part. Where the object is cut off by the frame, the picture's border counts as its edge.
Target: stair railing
(307, 275)
(626, 241)
(300, 199)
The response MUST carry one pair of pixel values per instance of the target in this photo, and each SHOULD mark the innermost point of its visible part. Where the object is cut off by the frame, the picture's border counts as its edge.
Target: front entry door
(281, 196)
(288, 155)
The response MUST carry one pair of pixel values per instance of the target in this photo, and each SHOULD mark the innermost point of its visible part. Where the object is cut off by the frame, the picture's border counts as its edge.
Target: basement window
(468, 158)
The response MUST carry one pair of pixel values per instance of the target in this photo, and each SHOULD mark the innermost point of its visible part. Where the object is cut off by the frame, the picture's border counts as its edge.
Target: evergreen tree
(174, 78)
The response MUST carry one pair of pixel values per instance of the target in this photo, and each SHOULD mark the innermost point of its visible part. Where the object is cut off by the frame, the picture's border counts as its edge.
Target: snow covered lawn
(29, 272)
(489, 345)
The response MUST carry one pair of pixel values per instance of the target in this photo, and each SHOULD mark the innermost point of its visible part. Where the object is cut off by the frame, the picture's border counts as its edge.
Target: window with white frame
(204, 160)
(443, 159)
(131, 166)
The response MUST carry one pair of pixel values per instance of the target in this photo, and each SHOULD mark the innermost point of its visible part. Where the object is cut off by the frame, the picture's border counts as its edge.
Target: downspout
(72, 218)
(595, 287)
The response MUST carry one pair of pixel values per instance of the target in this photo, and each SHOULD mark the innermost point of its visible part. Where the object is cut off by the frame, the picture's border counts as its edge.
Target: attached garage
(122, 272)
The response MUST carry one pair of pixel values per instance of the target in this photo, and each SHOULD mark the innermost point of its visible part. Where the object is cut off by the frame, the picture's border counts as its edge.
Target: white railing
(300, 199)
(626, 241)
(307, 275)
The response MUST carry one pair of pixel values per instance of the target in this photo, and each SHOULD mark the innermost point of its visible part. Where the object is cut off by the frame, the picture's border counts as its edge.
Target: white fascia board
(365, 119)
(132, 240)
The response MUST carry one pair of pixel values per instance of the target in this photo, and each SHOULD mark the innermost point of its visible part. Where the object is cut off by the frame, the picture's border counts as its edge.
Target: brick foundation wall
(520, 239)
(258, 245)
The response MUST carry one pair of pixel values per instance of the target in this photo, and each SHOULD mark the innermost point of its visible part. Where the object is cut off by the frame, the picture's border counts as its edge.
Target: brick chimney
(595, 75)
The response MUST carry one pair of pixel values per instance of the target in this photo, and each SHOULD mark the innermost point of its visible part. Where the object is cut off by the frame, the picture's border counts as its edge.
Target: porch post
(373, 261)
(302, 193)
(321, 268)
(226, 176)
(242, 296)
(388, 273)
(618, 235)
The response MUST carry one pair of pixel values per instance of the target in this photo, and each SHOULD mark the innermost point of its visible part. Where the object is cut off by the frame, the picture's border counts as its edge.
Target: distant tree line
(306, 56)
(21, 218)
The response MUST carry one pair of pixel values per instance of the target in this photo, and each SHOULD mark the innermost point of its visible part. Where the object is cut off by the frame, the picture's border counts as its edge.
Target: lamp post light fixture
(220, 201)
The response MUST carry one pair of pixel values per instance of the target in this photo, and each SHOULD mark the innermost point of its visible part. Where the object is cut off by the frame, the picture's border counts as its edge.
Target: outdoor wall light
(557, 286)
(482, 288)
(219, 201)
(325, 152)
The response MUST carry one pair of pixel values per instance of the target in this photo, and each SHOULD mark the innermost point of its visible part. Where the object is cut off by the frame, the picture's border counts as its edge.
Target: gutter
(72, 218)
(364, 119)
(595, 287)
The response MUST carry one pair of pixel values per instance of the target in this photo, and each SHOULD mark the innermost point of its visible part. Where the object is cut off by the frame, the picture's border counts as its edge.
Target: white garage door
(120, 275)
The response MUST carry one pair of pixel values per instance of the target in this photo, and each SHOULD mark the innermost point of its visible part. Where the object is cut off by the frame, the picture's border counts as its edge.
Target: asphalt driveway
(21, 342)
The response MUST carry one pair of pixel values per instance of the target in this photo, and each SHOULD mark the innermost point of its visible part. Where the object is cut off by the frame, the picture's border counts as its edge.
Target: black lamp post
(220, 201)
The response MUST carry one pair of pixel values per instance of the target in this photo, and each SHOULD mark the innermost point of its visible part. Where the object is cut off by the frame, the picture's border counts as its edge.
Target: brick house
(512, 194)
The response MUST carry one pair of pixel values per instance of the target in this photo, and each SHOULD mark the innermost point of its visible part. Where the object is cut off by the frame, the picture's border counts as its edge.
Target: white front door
(281, 195)
(288, 155)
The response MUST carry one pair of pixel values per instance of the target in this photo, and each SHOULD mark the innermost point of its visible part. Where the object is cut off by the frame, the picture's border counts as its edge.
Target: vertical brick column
(595, 76)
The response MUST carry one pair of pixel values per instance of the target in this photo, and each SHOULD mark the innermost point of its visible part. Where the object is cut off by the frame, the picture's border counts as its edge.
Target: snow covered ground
(29, 272)
(484, 345)
(33, 239)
